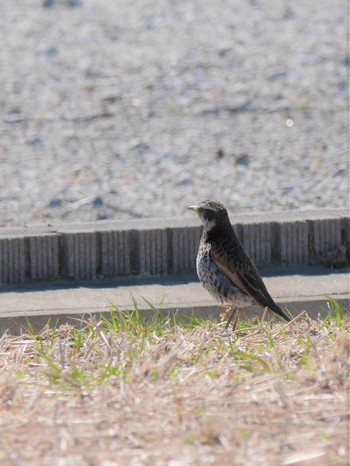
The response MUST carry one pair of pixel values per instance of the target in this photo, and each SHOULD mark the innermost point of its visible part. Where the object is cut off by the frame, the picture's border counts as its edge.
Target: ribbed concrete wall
(12, 260)
(166, 246)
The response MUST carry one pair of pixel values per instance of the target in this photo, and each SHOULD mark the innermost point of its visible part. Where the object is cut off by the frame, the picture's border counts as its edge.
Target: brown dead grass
(190, 396)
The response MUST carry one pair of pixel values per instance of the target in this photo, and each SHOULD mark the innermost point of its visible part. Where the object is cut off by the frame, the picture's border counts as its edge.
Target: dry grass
(126, 392)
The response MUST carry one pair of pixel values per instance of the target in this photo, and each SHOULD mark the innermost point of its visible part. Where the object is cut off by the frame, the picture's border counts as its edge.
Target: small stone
(34, 141)
(51, 52)
(243, 160)
(224, 51)
(74, 2)
(185, 182)
(97, 202)
(102, 216)
(288, 13)
(342, 86)
(219, 154)
(141, 148)
(54, 203)
(111, 98)
(287, 189)
(13, 117)
(279, 75)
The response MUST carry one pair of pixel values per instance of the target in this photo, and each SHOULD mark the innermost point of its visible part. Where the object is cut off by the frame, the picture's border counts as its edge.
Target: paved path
(297, 292)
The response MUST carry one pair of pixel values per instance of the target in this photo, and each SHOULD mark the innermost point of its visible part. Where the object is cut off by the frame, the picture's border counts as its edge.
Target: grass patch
(125, 390)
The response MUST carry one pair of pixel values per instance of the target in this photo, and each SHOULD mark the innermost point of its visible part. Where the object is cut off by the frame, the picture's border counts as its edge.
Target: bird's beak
(192, 207)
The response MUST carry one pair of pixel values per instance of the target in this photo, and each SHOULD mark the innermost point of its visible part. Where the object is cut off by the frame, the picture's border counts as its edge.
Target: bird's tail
(277, 310)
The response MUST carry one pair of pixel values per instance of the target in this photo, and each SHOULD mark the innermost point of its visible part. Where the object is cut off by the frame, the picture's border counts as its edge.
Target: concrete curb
(152, 247)
(306, 289)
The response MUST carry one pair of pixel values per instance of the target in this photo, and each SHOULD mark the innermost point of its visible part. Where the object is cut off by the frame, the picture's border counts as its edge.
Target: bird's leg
(234, 310)
(238, 312)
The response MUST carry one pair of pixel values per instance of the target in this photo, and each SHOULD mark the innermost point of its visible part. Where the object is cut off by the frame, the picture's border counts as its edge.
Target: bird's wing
(256, 287)
(241, 275)
(241, 271)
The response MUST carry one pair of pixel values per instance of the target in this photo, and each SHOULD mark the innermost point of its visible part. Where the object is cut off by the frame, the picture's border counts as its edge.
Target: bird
(224, 267)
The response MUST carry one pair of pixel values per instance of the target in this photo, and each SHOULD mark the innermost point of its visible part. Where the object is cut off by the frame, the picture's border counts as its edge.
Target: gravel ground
(126, 109)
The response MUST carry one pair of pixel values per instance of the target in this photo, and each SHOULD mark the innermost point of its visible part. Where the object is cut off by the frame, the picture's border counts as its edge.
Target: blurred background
(119, 109)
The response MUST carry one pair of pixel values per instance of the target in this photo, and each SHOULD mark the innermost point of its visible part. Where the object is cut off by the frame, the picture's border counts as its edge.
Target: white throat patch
(209, 224)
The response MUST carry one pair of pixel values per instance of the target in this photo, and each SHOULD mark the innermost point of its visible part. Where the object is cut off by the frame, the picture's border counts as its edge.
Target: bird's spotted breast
(218, 285)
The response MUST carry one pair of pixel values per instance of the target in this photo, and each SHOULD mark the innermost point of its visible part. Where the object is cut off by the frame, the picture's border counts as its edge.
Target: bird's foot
(224, 315)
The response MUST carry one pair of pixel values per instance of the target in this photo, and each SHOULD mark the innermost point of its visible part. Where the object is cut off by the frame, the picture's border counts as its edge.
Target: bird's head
(212, 213)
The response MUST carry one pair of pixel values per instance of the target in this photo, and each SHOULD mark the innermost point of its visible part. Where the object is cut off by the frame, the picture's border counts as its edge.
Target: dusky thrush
(223, 266)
